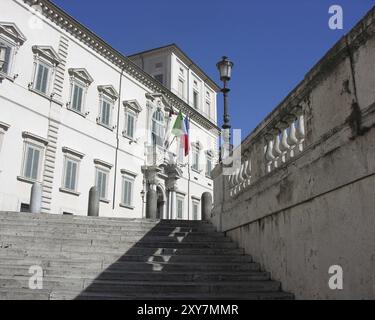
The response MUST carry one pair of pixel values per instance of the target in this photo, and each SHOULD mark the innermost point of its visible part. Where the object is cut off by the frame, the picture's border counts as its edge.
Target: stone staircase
(108, 258)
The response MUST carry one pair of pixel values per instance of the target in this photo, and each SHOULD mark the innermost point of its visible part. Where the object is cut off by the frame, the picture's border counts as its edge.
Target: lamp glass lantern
(225, 69)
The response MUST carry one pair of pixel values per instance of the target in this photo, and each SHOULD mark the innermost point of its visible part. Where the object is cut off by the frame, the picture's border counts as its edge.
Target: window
(77, 98)
(180, 207)
(42, 77)
(11, 38)
(70, 174)
(107, 98)
(34, 147)
(130, 124)
(101, 183)
(132, 110)
(208, 165)
(105, 112)
(180, 150)
(3, 129)
(195, 155)
(5, 54)
(127, 191)
(32, 163)
(45, 62)
(158, 128)
(80, 80)
(159, 77)
(181, 85)
(195, 210)
(72, 160)
(207, 110)
(195, 99)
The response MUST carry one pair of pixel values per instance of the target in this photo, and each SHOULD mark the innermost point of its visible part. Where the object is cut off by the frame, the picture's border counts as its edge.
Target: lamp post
(225, 69)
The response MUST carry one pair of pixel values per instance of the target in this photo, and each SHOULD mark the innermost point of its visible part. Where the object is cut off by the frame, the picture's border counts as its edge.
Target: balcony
(157, 155)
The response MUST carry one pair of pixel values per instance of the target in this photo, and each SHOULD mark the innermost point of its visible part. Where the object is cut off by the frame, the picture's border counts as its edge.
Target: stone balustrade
(283, 140)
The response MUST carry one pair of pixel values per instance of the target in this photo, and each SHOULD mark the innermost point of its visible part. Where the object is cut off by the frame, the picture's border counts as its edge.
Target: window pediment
(197, 145)
(132, 105)
(72, 152)
(127, 172)
(11, 31)
(27, 136)
(48, 53)
(81, 74)
(103, 163)
(109, 90)
(210, 153)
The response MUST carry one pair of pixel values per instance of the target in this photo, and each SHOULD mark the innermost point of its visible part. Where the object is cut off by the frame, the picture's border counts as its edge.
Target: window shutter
(74, 174)
(79, 99)
(38, 85)
(44, 79)
(68, 173)
(35, 164)
(7, 49)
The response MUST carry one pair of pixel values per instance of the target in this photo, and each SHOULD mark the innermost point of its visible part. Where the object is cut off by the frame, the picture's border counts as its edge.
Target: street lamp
(225, 69)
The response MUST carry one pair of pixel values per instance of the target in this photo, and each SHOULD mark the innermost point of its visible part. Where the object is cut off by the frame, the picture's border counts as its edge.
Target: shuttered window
(105, 115)
(102, 183)
(32, 162)
(180, 207)
(77, 98)
(5, 51)
(41, 79)
(195, 210)
(70, 174)
(130, 124)
(127, 191)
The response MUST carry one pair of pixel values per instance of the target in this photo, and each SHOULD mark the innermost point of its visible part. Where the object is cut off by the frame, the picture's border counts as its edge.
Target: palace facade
(75, 113)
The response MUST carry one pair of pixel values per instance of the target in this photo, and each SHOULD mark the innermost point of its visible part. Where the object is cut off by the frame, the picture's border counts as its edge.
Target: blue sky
(272, 43)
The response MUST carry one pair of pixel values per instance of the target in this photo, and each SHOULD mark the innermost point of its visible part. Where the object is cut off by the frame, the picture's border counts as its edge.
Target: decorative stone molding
(81, 74)
(4, 127)
(132, 105)
(27, 136)
(109, 90)
(103, 163)
(12, 32)
(48, 53)
(72, 152)
(128, 172)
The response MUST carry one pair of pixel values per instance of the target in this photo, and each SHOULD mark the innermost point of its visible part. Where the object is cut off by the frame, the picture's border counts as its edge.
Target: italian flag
(181, 130)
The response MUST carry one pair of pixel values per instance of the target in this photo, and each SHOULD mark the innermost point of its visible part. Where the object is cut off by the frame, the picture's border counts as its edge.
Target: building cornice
(173, 48)
(90, 39)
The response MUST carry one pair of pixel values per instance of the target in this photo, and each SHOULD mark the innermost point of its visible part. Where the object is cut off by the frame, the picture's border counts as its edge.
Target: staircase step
(131, 250)
(123, 257)
(113, 258)
(114, 238)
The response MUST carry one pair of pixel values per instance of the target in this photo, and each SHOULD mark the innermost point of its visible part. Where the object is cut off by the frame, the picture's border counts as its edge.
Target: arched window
(158, 128)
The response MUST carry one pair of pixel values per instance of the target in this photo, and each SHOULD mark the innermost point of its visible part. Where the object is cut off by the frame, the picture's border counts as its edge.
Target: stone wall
(302, 198)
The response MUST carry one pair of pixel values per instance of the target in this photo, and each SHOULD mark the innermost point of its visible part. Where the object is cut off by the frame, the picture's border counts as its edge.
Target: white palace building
(75, 113)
